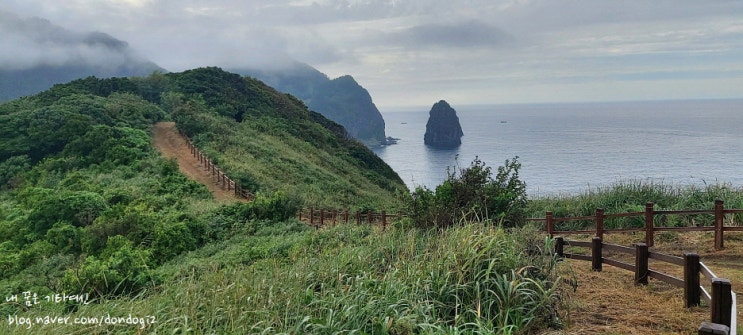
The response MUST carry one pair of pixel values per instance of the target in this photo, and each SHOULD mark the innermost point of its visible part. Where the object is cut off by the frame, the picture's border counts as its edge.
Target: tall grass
(348, 279)
(631, 196)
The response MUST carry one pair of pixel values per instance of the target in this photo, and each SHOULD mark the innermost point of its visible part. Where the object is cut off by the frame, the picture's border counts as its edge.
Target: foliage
(631, 196)
(471, 194)
(351, 279)
(87, 206)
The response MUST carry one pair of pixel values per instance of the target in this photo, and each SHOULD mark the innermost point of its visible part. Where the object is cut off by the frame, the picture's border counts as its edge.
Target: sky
(419, 52)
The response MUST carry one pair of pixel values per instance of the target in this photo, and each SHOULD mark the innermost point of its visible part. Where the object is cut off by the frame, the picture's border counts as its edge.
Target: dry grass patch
(609, 302)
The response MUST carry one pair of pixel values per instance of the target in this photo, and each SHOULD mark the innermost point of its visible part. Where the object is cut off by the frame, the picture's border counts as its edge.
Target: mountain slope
(341, 99)
(88, 205)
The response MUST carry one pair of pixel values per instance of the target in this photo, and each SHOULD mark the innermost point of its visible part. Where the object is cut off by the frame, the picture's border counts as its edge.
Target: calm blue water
(569, 148)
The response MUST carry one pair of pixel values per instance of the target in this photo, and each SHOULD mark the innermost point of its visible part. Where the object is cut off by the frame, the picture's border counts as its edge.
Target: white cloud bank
(417, 52)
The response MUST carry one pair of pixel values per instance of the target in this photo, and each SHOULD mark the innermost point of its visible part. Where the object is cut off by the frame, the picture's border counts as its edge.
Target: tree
(472, 194)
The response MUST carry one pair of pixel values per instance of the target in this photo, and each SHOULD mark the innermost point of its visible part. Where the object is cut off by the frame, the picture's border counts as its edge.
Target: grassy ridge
(87, 205)
(268, 141)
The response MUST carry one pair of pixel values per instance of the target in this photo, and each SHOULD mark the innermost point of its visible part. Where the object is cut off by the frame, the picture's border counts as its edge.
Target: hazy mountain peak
(36, 54)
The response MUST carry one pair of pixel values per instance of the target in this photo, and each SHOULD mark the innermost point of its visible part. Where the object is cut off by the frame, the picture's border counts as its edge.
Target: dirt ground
(608, 302)
(170, 143)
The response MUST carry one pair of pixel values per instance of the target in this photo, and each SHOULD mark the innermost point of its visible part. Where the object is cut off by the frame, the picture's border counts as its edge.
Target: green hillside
(101, 235)
(86, 204)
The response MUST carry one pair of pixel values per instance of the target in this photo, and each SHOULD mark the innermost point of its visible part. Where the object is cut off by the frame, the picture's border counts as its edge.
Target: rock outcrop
(341, 99)
(443, 129)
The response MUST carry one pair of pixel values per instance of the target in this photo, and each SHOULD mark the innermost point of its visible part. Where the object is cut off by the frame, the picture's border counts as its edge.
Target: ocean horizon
(569, 148)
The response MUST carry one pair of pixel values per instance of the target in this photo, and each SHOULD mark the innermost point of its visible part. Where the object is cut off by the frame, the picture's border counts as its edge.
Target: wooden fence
(649, 215)
(220, 178)
(721, 299)
(324, 217)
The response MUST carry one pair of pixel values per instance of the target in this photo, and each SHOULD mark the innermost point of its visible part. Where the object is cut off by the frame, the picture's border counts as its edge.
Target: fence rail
(649, 228)
(723, 308)
(218, 176)
(324, 217)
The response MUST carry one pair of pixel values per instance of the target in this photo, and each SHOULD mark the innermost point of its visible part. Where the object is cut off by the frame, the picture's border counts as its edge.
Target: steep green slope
(269, 141)
(87, 205)
(341, 99)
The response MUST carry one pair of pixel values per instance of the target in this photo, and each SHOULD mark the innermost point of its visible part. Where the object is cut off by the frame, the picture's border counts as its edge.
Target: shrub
(120, 269)
(472, 194)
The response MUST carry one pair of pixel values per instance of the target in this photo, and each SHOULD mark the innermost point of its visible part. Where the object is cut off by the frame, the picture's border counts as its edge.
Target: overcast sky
(418, 52)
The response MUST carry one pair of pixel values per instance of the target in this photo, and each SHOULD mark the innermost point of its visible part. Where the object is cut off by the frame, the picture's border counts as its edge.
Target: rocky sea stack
(443, 129)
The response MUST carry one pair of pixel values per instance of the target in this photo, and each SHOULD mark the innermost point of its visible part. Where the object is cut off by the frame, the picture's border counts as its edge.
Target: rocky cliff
(342, 99)
(443, 129)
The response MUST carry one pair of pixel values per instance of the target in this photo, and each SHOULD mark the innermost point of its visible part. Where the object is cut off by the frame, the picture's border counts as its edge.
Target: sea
(570, 148)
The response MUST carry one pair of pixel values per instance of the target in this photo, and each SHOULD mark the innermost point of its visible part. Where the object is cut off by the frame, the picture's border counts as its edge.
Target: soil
(171, 144)
(608, 302)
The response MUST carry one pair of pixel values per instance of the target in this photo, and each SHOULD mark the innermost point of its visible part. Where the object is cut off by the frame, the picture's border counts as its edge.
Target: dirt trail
(167, 140)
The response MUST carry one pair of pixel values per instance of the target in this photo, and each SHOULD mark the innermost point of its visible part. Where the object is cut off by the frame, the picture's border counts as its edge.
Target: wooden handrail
(723, 309)
(649, 217)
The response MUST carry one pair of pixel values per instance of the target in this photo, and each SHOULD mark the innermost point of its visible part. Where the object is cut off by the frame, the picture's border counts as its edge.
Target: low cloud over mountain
(36, 54)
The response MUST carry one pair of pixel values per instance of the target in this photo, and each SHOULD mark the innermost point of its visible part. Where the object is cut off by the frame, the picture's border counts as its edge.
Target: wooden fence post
(719, 219)
(384, 220)
(312, 216)
(345, 217)
(722, 302)
(692, 292)
(358, 218)
(322, 217)
(641, 263)
(600, 222)
(559, 246)
(369, 217)
(596, 264)
(649, 226)
(550, 224)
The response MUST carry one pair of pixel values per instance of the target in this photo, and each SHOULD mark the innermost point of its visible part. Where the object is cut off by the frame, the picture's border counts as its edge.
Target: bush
(472, 194)
(120, 269)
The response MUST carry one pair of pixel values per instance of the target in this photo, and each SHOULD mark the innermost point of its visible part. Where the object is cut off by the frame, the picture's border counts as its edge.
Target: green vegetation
(471, 194)
(86, 205)
(285, 278)
(341, 99)
(631, 196)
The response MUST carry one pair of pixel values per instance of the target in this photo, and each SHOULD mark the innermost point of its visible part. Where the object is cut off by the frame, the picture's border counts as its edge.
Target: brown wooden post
(369, 217)
(299, 215)
(649, 226)
(722, 301)
(600, 222)
(596, 264)
(384, 220)
(358, 218)
(312, 216)
(550, 224)
(345, 217)
(641, 263)
(692, 292)
(559, 246)
(322, 217)
(719, 220)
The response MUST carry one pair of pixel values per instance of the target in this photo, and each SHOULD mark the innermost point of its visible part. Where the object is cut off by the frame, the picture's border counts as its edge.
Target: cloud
(469, 34)
(31, 42)
(396, 47)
